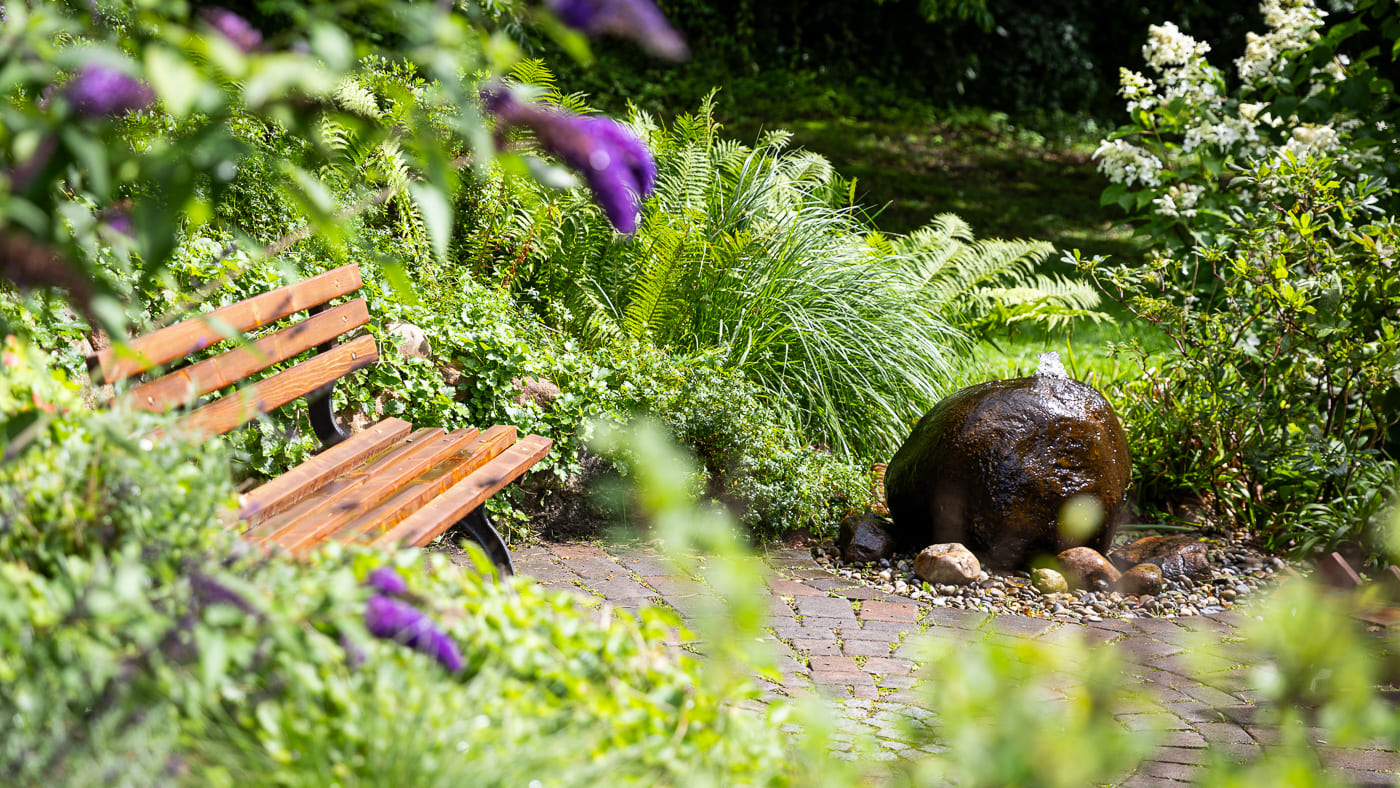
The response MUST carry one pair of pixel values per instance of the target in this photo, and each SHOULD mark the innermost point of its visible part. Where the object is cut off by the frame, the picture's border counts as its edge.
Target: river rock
(1141, 580)
(863, 539)
(947, 564)
(541, 392)
(992, 465)
(1048, 581)
(1175, 555)
(410, 340)
(1085, 567)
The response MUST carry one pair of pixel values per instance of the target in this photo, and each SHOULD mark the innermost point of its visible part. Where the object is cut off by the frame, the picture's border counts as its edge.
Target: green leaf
(175, 81)
(437, 216)
(1113, 194)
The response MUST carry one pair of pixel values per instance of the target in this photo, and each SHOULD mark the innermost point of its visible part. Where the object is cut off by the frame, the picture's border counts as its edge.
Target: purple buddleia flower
(234, 27)
(387, 580)
(617, 166)
(391, 619)
(639, 20)
(98, 91)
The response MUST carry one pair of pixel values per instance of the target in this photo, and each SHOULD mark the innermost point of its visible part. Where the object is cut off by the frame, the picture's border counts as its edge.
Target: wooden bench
(387, 485)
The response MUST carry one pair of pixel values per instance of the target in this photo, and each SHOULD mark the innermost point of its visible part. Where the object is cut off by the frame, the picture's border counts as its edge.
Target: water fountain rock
(1175, 555)
(991, 466)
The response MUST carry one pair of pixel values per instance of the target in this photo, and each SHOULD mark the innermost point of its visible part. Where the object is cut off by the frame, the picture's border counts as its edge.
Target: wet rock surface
(1085, 567)
(863, 538)
(1238, 571)
(1174, 555)
(992, 465)
(1141, 579)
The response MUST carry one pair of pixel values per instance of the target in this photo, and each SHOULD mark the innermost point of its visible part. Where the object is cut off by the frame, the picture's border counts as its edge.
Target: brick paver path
(852, 643)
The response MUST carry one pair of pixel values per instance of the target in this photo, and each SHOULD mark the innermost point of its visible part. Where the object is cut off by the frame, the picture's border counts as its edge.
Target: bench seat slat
(184, 385)
(341, 485)
(437, 516)
(190, 336)
(290, 488)
(429, 485)
(383, 479)
(274, 391)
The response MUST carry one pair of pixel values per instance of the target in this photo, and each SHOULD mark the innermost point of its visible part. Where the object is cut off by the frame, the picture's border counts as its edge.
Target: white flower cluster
(1168, 46)
(1293, 26)
(1179, 200)
(1140, 91)
(1126, 164)
(1228, 134)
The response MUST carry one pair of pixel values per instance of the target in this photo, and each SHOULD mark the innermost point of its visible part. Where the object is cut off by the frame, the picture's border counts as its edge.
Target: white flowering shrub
(1294, 92)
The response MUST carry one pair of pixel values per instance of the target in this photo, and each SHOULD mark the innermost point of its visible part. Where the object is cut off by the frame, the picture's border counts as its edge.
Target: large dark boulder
(992, 465)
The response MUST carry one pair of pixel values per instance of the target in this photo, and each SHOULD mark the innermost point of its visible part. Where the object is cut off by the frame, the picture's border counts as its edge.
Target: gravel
(1238, 572)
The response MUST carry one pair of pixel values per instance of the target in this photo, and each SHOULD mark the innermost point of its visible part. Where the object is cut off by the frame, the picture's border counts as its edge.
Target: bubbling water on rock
(1050, 366)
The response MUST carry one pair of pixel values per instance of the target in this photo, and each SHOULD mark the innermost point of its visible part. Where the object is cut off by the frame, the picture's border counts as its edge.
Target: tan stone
(947, 564)
(1085, 567)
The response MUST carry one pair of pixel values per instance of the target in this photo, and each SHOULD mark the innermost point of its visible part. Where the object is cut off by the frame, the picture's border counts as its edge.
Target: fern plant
(755, 251)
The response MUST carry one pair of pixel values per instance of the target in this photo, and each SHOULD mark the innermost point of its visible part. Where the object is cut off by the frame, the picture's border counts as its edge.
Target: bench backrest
(187, 384)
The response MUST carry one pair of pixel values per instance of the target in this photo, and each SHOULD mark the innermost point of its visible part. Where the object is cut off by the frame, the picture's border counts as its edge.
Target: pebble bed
(1238, 571)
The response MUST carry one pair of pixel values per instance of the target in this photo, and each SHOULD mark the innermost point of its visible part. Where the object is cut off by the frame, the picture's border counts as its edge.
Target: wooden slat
(182, 339)
(269, 527)
(472, 457)
(183, 386)
(382, 481)
(425, 524)
(286, 490)
(272, 392)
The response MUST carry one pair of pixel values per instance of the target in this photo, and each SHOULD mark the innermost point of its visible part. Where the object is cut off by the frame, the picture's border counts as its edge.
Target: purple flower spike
(387, 580)
(99, 91)
(390, 619)
(617, 166)
(639, 20)
(234, 27)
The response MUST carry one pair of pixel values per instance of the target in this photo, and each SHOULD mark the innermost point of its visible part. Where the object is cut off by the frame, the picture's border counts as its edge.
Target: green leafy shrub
(1298, 89)
(753, 252)
(83, 483)
(1274, 395)
(751, 459)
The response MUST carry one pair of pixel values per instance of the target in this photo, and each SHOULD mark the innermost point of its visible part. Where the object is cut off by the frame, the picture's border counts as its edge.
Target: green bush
(1274, 395)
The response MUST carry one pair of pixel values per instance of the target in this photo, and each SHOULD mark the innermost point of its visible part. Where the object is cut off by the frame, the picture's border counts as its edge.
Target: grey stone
(1175, 555)
(863, 539)
(410, 340)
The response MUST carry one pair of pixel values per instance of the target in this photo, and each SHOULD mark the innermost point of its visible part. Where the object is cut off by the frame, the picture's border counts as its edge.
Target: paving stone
(1364, 779)
(1184, 739)
(893, 629)
(1212, 696)
(1223, 733)
(675, 586)
(884, 666)
(824, 607)
(829, 583)
(862, 593)
(1152, 721)
(619, 588)
(574, 550)
(896, 681)
(865, 648)
(834, 664)
(793, 588)
(1363, 760)
(597, 568)
(1194, 755)
(816, 647)
(1158, 627)
(830, 624)
(901, 612)
(1182, 772)
(952, 617)
(645, 564)
(1023, 626)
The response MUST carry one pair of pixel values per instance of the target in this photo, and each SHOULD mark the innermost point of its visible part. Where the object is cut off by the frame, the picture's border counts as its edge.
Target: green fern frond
(357, 98)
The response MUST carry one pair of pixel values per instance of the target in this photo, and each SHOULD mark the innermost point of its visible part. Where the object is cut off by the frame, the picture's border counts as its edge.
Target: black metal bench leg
(478, 526)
